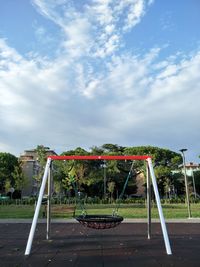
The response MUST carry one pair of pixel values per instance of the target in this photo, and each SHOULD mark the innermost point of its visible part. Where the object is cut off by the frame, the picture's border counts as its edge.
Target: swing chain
(115, 211)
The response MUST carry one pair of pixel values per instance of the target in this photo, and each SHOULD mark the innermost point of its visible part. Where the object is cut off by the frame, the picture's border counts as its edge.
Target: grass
(16, 211)
(176, 211)
(170, 211)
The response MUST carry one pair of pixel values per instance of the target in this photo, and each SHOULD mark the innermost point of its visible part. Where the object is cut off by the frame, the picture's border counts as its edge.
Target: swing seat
(100, 221)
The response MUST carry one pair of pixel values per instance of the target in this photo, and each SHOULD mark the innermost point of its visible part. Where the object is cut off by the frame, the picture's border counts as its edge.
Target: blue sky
(84, 73)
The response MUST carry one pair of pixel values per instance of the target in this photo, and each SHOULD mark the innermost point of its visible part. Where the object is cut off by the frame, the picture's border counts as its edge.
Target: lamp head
(183, 150)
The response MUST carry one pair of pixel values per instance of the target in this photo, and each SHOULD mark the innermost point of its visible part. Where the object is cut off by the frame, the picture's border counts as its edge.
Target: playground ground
(74, 245)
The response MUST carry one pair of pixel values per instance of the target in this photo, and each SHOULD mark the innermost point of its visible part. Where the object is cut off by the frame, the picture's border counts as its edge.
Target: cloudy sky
(88, 72)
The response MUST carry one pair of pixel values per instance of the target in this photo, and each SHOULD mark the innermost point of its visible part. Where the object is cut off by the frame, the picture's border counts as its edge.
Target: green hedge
(92, 200)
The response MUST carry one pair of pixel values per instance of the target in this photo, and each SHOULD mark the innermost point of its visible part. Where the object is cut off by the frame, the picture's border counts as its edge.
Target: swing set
(100, 221)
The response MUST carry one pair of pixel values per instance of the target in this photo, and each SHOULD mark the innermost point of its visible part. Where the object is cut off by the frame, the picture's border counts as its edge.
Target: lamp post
(186, 182)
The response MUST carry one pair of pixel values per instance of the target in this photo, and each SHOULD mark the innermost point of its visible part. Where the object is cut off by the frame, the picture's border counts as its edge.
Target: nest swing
(104, 221)
(100, 221)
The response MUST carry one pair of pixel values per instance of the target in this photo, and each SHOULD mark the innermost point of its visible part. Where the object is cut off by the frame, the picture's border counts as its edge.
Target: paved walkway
(74, 245)
(189, 220)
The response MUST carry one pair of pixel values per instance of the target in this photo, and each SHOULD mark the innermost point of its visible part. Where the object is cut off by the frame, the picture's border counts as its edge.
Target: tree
(7, 186)
(41, 152)
(197, 181)
(110, 148)
(111, 188)
(89, 175)
(20, 180)
(7, 165)
(63, 169)
(164, 160)
(116, 171)
(178, 183)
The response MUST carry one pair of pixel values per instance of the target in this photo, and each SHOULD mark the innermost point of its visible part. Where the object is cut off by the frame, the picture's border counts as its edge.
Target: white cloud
(98, 29)
(109, 29)
(88, 94)
(135, 13)
(78, 40)
(91, 88)
(7, 53)
(69, 99)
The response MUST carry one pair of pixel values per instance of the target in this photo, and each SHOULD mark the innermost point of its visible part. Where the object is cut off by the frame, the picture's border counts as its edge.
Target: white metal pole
(162, 220)
(36, 214)
(104, 179)
(186, 184)
(49, 203)
(148, 202)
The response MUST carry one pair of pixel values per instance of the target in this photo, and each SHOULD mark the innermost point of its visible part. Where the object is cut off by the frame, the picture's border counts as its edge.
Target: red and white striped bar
(102, 157)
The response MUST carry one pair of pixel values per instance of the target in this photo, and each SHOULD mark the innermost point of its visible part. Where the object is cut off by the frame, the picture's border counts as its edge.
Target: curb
(189, 220)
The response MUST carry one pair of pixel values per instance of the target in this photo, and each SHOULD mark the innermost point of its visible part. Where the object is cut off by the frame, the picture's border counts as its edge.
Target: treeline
(101, 178)
(97, 178)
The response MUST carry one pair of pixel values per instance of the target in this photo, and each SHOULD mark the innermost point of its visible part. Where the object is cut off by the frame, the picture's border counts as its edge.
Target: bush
(134, 200)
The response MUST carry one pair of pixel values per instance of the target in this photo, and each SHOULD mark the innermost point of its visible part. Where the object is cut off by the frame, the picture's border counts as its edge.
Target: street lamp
(186, 182)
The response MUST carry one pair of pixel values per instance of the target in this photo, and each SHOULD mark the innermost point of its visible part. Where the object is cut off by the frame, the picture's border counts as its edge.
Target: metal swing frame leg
(148, 202)
(38, 206)
(162, 220)
(49, 202)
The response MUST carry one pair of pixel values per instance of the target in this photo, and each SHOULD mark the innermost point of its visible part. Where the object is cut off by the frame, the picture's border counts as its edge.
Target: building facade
(191, 168)
(31, 169)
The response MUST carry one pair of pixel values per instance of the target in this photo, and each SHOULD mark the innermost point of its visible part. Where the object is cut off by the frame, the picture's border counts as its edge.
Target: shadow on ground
(74, 245)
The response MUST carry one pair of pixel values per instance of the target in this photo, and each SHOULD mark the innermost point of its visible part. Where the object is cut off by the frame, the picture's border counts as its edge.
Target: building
(191, 168)
(31, 168)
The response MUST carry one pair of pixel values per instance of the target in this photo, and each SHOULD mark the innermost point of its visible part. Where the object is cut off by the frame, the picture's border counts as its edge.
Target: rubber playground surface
(72, 244)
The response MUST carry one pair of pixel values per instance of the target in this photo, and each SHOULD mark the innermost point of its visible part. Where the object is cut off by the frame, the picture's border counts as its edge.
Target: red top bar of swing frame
(102, 157)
